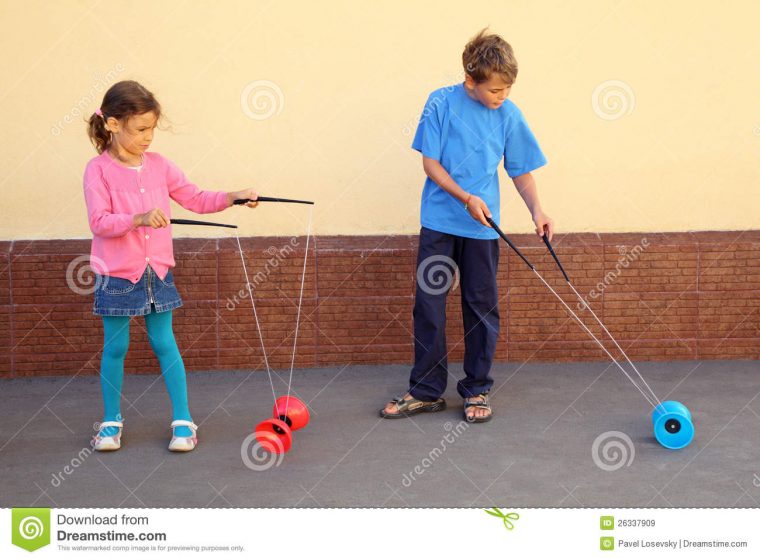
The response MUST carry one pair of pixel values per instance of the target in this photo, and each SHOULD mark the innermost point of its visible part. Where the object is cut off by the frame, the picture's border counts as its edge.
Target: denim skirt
(120, 297)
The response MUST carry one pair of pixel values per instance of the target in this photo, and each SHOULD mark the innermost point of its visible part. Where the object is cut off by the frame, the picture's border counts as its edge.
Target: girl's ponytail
(96, 130)
(122, 100)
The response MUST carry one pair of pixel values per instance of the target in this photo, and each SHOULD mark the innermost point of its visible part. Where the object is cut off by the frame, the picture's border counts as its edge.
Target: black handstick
(240, 201)
(510, 243)
(545, 237)
(194, 222)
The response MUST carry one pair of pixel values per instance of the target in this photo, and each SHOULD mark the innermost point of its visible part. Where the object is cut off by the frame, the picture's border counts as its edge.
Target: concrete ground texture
(563, 435)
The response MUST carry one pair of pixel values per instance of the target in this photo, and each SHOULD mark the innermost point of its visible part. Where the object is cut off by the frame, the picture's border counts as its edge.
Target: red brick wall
(683, 296)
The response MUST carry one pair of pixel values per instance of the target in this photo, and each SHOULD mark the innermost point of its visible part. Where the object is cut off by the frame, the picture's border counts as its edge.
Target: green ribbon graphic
(30, 528)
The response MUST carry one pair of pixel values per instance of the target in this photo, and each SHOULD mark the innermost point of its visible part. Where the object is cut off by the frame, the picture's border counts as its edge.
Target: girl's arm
(249, 194)
(189, 196)
(102, 221)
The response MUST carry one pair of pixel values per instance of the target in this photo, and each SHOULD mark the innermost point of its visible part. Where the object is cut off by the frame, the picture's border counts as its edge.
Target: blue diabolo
(673, 428)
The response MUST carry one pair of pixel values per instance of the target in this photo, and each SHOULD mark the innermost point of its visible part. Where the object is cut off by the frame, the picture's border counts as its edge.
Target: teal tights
(115, 345)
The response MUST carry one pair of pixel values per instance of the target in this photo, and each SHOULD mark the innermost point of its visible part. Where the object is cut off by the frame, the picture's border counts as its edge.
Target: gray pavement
(536, 452)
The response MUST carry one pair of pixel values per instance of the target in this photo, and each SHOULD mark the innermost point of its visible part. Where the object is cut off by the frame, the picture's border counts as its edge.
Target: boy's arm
(473, 204)
(526, 186)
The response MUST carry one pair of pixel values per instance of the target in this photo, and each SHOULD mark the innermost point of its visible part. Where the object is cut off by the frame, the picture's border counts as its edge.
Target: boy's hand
(241, 194)
(478, 210)
(154, 218)
(544, 224)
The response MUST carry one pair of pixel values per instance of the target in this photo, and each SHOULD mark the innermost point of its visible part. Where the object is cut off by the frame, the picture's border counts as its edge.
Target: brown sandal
(482, 405)
(413, 406)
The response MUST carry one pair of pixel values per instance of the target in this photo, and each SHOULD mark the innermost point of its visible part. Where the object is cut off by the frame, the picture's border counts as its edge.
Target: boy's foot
(477, 409)
(409, 405)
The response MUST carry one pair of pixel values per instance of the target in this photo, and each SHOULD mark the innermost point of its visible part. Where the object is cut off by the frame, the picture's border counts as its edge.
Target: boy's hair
(488, 54)
(122, 100)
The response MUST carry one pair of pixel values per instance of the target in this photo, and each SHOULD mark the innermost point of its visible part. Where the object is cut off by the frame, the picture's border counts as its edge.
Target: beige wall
(679, 151)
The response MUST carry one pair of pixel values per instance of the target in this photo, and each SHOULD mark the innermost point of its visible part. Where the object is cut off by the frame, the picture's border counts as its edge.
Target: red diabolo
(292, 411)
(276, 434)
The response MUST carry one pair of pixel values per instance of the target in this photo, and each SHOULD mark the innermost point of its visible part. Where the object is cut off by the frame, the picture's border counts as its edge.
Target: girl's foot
(184, 438)
(108, 437)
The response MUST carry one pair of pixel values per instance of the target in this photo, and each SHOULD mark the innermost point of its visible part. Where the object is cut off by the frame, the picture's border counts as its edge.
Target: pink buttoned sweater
(114, 193)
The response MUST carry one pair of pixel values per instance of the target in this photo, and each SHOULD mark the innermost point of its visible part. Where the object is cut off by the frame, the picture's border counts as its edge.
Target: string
(575, 316)
(298, 316)
(300, 301)
(586, 305)
(256, 316)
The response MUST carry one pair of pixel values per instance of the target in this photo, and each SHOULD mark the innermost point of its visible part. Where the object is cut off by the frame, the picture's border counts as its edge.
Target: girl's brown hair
(488, 54)
(122, 100)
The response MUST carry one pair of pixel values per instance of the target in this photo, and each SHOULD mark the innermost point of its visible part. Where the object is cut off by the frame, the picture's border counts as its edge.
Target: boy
(464, 133)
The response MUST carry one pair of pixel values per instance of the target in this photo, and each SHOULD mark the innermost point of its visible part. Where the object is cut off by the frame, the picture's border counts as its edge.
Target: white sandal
(108, 443)
(183, 444)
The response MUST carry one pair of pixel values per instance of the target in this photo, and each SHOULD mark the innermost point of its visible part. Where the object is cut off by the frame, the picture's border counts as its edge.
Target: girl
(127, 190)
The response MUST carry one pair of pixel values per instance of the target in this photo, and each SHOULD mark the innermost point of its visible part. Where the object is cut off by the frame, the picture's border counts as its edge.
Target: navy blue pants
(477, 261)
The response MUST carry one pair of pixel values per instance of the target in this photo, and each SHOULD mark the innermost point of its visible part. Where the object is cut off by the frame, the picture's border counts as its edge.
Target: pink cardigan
(115, 193)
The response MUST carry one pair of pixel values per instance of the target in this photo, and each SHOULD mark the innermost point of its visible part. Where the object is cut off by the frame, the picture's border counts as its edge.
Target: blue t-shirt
(469, 140)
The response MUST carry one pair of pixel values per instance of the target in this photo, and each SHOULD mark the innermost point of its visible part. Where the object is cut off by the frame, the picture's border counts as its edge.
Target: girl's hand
(478, 210)
(544, 224)
(240, 194)
(154, 218)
